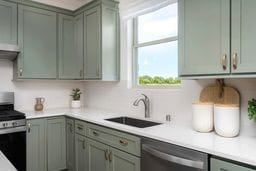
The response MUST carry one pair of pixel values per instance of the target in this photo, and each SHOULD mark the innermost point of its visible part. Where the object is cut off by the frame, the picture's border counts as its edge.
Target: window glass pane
(159, 24)
(158, 64)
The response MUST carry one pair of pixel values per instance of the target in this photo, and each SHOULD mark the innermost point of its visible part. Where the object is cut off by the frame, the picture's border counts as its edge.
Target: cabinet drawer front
(218, 165)
(80, 127)
(122, 141)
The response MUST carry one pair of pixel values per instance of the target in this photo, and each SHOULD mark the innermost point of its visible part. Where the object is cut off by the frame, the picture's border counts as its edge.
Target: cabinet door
(243, 36)
(97, 156)
(70, 64)
(204, 41)
(70, 131)
(36, 157)
(92, 44)
(8, 20)
(37, 38)
(218, 165)
(81, 153)
(56, 143)
(121, 161)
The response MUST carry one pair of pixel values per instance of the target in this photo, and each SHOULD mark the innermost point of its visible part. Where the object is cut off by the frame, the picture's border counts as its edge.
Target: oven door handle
(13, 130)
(173, 159)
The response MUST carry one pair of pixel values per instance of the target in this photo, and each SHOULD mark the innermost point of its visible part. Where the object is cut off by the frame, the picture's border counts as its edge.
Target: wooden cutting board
(220, 95)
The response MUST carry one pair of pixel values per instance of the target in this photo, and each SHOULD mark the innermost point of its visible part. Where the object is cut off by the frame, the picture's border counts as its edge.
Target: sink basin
(133, 122)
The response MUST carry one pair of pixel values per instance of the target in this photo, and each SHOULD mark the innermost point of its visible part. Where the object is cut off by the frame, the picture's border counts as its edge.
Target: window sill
(158, 87)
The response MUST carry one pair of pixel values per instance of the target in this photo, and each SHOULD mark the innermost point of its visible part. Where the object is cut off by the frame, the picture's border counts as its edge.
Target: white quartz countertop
(5, 164)
(241, 148)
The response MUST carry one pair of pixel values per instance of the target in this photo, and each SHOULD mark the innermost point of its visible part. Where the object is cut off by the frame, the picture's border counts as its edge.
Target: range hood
(9, 51)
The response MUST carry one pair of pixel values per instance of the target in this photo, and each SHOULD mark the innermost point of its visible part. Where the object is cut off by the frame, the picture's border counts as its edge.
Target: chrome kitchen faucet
(145, 101)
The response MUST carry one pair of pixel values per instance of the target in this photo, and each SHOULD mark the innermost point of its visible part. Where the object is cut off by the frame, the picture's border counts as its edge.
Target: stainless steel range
(12, 132)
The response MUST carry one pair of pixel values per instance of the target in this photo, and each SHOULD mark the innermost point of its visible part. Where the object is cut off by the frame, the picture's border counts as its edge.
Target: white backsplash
(177, 102)
(56, 93)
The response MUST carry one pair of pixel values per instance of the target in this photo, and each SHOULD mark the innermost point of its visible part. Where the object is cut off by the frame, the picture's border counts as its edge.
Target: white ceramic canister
(227, 120)
(202, 116)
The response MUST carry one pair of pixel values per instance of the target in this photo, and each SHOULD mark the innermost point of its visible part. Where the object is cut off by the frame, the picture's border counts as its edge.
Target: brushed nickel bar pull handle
(83, 144)
(106, 154)
(110, 156)
(235, 61)
(80, 127)
(29, 127)
(95, 133)
(70, 128)
(224, 62)
(20, 72)
(123, 142)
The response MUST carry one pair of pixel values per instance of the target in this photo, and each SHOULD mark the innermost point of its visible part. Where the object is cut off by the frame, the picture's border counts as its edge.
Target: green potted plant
(252, 109)
(76, 96)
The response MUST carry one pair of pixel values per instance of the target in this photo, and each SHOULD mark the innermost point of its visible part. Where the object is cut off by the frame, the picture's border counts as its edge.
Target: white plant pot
(75, 104)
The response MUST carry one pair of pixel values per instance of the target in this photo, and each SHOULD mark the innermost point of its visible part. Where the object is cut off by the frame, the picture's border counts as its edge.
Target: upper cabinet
(243, 38)
(8, 20)
(208, 46)
(204, 47)
(101, 42)
(37, 38)
(92, 45)
(70, 62)
(61, 44)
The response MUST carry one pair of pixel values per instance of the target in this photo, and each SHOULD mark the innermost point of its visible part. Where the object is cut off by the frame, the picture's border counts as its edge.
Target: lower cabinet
(70, 133)
(81, 153)
(121, 161)
(56, 144)
(98, 156)
(36, 152)
(219, 165)
(46, 144)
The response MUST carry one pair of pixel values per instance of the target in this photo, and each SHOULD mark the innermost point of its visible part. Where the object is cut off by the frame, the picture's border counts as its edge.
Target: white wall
(56, 93)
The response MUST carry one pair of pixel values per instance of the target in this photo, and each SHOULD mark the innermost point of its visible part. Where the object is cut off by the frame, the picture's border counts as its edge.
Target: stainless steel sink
(133, 122)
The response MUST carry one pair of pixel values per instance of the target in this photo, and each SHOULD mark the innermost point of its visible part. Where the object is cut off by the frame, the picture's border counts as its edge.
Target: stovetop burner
(11, 115)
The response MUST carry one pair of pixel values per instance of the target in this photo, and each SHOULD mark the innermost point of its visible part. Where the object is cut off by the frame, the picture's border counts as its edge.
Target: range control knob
(4, 125)
(14, 124)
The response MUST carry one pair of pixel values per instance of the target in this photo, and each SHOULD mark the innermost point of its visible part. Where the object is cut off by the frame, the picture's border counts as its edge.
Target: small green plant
(76, 94)
(252, 109)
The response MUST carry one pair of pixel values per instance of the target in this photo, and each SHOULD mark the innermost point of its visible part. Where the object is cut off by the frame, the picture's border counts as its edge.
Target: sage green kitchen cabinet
(81, 153)
(92, 65)
(36, 153)
(243, 36)
(204, 37)
(121, 161)
(56, 143)
(8, 20)
(70, 132)
(98, 156)
(46, 144)
(70, 58)
(101, 42)
(37, 38)
(219, 165)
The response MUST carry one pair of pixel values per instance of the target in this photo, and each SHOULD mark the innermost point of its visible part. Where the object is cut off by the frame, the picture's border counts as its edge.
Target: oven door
(167, 157)
(13, 146)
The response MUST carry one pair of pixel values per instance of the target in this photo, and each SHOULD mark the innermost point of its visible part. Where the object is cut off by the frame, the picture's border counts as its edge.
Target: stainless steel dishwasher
(159, 156)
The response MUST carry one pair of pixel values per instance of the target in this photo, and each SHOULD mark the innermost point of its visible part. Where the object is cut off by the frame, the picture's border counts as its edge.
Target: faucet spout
(146, 103)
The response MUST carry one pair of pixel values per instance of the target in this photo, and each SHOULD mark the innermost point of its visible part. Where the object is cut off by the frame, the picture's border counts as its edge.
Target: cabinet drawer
(122, 141)
(80, 127)
(219, 165)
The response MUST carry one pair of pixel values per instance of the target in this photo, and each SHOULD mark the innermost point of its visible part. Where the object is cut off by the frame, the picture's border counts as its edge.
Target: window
(156, 47)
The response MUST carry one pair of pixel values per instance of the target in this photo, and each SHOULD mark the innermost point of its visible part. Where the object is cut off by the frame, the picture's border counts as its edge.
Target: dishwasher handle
(173, 159)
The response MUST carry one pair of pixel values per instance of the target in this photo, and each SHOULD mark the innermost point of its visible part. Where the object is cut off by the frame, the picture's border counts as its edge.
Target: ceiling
(66, 4)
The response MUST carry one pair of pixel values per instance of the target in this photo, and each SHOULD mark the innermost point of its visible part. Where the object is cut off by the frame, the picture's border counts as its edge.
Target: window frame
(136, 45)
